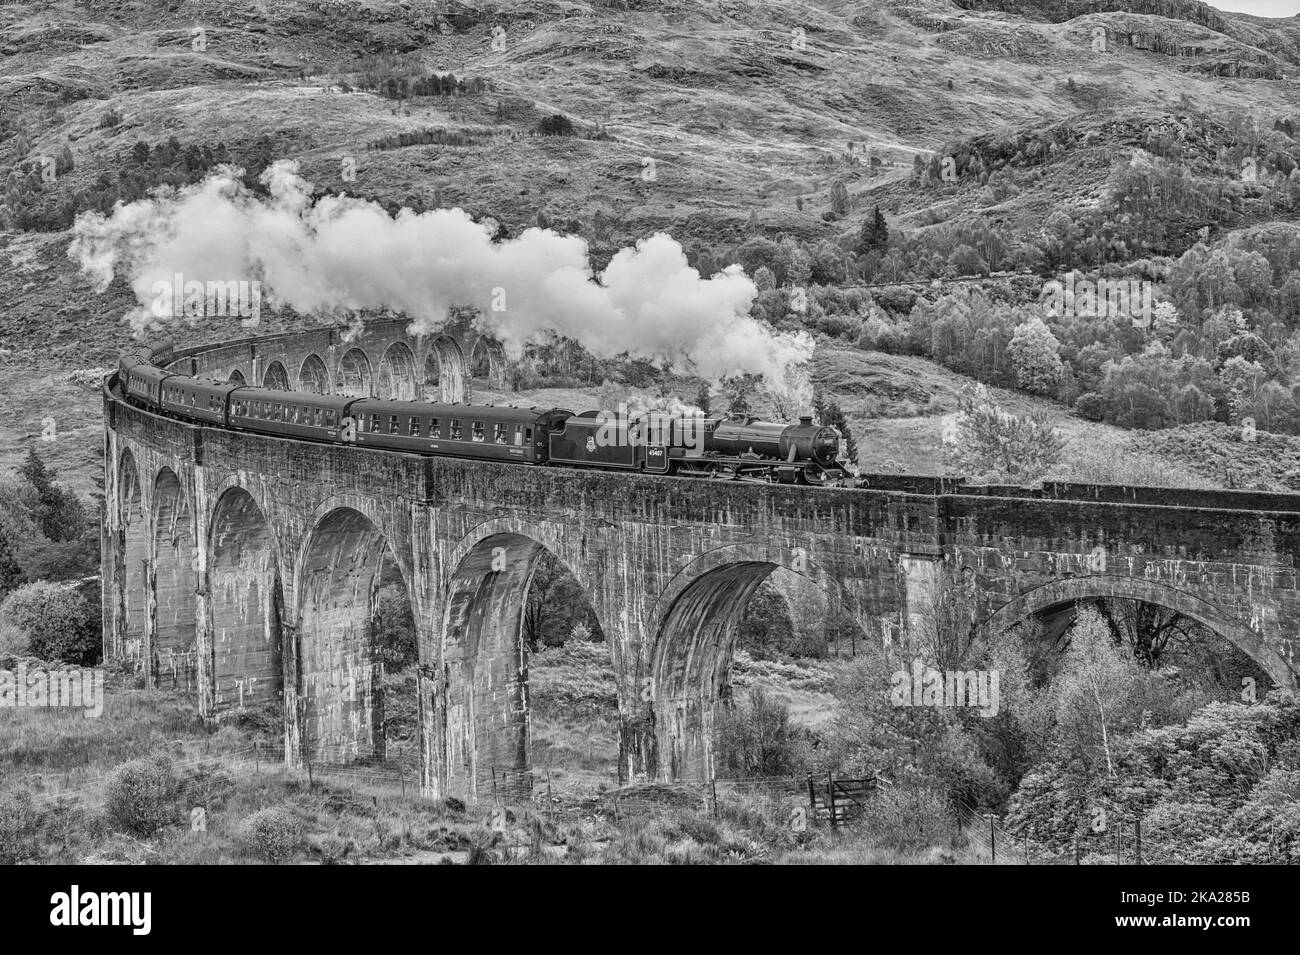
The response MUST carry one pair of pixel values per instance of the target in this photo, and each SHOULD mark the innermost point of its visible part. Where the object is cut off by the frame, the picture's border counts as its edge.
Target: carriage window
(528, 435)
(519, 435)
(317, 416)
(499, 433)
(455, 429)
(477, 427)
(330, 419)
(392, 424)
(434, 430)
(374, 424)
(414, 429)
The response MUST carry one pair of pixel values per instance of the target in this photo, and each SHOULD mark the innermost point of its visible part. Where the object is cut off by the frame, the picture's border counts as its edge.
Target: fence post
(830, 797)
(713, 789)
(1137, 838)
(1078, 855)
(993, 840)
(812, 800)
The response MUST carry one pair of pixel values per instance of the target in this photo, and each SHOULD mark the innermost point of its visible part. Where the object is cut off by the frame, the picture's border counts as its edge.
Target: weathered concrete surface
(289, 538)
(379, 359)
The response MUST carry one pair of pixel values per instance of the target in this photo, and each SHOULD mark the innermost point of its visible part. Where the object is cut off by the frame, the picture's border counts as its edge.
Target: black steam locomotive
(733, 448)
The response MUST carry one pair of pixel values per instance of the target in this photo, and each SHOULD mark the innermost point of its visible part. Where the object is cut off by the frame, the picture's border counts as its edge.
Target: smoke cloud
(337, 255)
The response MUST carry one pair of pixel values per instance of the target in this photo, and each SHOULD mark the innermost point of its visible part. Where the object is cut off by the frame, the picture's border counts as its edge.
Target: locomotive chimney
(805, 420)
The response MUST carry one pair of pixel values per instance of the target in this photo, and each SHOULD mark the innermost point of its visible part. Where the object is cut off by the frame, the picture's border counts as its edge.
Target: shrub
(57, 621)
(141, 796)
(271, 834)
(331, 847)
(18, 823)
(1091, 406)
(207, 785)
(557, 124)
(757, 738)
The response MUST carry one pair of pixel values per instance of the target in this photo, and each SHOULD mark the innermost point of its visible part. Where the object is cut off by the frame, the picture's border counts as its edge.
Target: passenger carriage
(295, 414)
(497, 433)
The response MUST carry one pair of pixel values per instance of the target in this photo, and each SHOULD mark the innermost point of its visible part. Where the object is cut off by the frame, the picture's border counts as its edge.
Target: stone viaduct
(248, 566)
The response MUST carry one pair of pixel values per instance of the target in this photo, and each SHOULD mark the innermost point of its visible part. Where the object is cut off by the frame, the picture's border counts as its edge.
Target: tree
(827, 266)
(874, 234)
(59, 513)
(964, 260)
(11, 575)
(1094, 682)
(58, 621)
(986, 442)
(739, 391)
(1034, 353)
(828, 413)
(395, 638)
(702, 397)
(839, 199)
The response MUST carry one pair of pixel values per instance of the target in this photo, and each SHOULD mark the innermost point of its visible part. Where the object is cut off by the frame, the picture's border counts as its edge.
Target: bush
(141, 796)
(18, 823)
(556, 124)
(57, 621)
(757, 738)
(271, 834)
(207, 785)
(1090, 406)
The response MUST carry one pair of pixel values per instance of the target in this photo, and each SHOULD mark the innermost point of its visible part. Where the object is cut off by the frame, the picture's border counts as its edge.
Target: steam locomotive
(732, 448)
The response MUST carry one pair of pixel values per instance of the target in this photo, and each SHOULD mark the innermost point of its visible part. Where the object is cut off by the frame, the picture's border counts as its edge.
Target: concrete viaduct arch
(1236, 629)
(381, 358)
(285, 539)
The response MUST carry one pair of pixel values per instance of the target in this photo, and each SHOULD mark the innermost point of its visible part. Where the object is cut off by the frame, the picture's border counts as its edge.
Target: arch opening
(445, 377)
(731, 622)
(1162, 625)
(354, 377)
(512, 604)
(487, 364)
(276, 377)
(313, 376)
(135, 561)
(1158, 637)
(351, 628)
(245, 605)
(691, 663)
(174, 660)
(397, 379)
(236, 377)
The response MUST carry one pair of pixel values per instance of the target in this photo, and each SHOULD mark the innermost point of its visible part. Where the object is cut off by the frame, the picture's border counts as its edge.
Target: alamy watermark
(76, 908)
(40, 688)
(1104, 298)
(675, 429)
(177, 298)
(926, 686)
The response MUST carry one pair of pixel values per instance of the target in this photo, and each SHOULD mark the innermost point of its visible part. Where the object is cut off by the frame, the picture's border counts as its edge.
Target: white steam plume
(342, 254)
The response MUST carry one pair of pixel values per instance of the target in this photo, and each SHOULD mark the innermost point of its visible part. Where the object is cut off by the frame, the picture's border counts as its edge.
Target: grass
(57, 763)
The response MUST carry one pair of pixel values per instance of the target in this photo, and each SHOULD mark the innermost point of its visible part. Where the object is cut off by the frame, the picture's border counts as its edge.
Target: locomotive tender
(732, 448)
